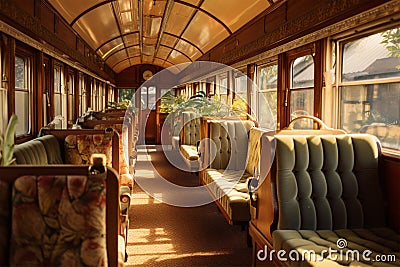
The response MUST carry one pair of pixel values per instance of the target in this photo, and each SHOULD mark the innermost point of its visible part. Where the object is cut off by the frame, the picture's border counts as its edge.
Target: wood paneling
(392, 189)
(286, 22)
(47, 17)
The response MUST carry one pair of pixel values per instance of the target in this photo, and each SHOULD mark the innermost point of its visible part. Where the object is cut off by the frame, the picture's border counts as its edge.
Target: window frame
(26, 54)
(339, 85)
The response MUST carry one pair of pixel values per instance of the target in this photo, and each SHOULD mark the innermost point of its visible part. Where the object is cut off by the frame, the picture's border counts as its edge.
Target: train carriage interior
(200, 133)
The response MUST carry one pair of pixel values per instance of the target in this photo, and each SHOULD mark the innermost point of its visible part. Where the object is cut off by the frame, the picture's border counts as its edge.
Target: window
(23, 94)
(46, 92)
(223, 89)
(102, 97)
(148, 97)
(302, 90)
(110, 96)
(95, 96)
(369, 86)
(60, 96)
(71, 99)
(82, 94)
(127, 94)
(267, 94)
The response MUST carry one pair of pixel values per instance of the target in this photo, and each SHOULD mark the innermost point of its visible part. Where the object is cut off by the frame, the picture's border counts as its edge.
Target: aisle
(164, 235)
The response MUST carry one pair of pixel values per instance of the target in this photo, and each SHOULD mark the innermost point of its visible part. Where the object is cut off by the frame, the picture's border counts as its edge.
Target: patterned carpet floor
(166, 235)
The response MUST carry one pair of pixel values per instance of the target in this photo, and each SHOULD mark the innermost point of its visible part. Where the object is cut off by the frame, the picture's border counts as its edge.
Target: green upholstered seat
(328, 187)
(232, 166)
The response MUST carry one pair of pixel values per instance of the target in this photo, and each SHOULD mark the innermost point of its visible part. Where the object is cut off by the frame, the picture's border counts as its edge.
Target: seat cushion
(380, 241)
(229, 188)
(189, 152)
(52, 147)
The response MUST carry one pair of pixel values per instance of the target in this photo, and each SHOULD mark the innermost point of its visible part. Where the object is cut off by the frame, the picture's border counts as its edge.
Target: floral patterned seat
(79, 148)
(57, 219)
(125, 175)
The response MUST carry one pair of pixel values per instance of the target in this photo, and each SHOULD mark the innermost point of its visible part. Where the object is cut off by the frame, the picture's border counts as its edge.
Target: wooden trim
(10, 72)
(39, 90)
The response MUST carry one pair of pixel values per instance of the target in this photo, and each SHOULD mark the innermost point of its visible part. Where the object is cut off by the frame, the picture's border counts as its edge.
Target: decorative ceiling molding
(295, 26)
(50, 40)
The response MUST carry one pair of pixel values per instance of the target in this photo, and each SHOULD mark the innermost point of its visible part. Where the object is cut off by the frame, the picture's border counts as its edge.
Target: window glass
(23, 105)
(370, 104)
(143, 97)
(82, 95)
(223, 90)
(267, 94)
(303, 72)
(373, 109)
(301, 91)
(20, 72)
(60, 96)
(372, 57)
(152, 97)
(71, 99)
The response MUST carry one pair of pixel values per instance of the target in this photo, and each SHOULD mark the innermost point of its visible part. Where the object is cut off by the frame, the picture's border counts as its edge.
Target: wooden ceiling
(165, 33)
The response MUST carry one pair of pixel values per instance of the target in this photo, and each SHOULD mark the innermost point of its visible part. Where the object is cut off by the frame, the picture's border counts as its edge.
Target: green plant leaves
(7, 142)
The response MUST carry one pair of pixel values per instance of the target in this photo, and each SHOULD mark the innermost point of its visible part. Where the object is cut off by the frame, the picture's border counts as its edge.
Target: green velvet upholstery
(31, 153)
(231, 142)
(230, 189)
(191, 128)
(328, 187)
(52, 147)
(236, 151)
(190, 136)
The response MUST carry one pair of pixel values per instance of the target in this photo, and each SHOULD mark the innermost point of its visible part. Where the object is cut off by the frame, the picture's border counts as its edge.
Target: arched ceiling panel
(177, 57)
(208, 35)
(135, 60)
(188, 49)
(168, 40)
(131, 39)
(72, 9)
(111, 47)
(97, 26)
(192, 2)
(116, 57)
(133, 51)
(159, 62)
(126, 12)
(179, 18)
(162, 32)
(237, 13)
(163, 52)
(120, 66)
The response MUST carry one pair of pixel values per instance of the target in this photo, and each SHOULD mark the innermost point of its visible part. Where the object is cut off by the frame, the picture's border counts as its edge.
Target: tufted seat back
(191, 128)
(52, 148)
(32, 153)
(231, 142)
(328, 182)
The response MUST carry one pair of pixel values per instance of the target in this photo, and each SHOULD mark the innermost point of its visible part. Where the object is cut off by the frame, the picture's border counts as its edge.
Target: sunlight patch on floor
(154, 245)
(142, 198)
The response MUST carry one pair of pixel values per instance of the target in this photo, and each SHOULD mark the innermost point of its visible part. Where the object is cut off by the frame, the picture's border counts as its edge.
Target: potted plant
(7, 142)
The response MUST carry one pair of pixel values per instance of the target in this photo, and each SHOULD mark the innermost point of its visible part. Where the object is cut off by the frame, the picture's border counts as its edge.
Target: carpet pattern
(164, 235)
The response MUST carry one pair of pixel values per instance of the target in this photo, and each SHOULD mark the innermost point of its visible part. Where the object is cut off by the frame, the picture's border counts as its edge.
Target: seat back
(58, 215)
(229, 143)
(328, 182)
(52, 147)
(31, 153)
(191, 128)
